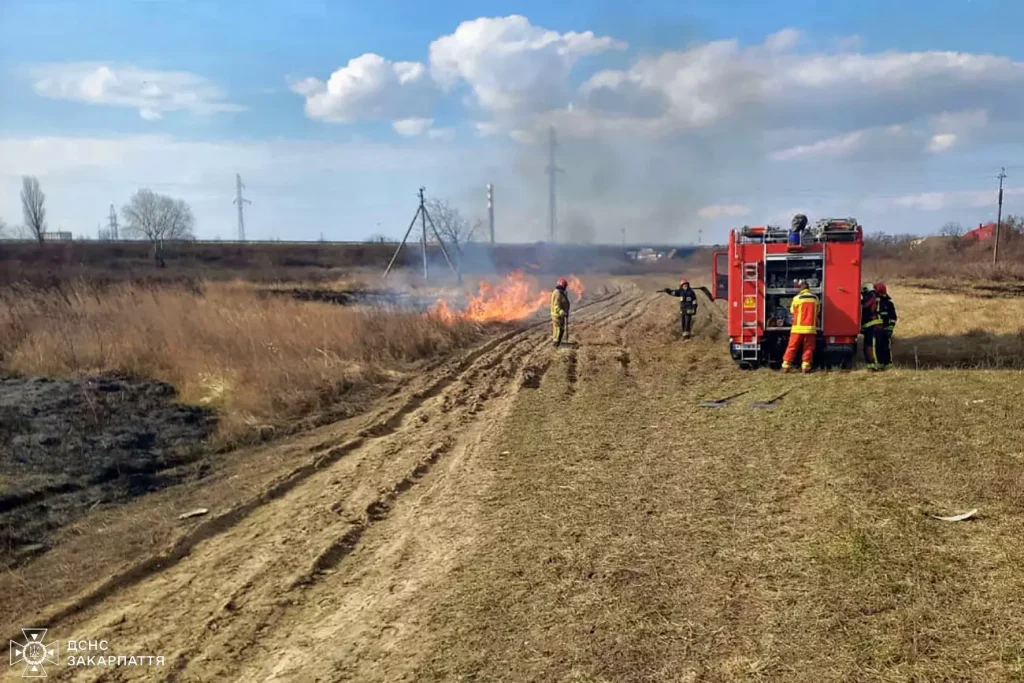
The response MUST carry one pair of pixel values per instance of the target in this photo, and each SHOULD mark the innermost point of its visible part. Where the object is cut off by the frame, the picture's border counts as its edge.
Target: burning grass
(260, 360)
(516, 297)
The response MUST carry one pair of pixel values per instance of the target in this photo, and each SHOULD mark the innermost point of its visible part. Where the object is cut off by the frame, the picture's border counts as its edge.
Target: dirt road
(571, 514)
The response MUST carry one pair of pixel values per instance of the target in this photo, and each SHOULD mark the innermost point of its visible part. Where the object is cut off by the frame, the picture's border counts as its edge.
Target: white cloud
(769, 86)
(783, 40)
(960, 121)
(370, 88)
(942, 142)
(446, 134)
(848, 105)
(831, 147)
(512, 66)
(412, 127)
(724, 210)
(123, 85)
(870, 143)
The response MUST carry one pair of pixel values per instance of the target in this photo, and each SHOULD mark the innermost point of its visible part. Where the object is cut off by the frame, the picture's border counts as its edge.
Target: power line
(999, 215)
(240, 200)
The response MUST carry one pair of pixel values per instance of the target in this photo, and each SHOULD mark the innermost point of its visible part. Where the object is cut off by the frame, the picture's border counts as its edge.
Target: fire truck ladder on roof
(750, 317)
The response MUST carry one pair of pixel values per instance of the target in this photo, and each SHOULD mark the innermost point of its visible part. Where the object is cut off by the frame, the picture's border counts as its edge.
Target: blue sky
(673, 117)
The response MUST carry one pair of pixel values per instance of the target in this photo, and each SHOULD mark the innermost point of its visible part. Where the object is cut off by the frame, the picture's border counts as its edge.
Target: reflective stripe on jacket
(869, 312)
(559, 304)
(687, 299)
(805, 313)
(886, 311)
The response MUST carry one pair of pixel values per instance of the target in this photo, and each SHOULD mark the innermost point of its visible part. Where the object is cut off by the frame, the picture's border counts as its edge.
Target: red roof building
(982, 233)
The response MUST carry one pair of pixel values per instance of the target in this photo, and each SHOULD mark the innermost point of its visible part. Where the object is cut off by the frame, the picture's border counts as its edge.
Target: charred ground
(67, 446)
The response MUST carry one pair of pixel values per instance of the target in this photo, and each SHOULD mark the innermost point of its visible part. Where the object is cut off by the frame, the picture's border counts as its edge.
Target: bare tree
(1014, 226)
(952, 229)
(455, 229)
(158, 218)
(33, 207)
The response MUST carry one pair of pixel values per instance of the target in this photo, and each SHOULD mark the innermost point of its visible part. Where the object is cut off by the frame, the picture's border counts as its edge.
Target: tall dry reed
(259, 359)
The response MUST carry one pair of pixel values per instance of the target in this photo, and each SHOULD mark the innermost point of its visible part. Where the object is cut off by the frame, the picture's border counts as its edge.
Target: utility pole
(700, 236)
(112, 225)
(240, 200)
(999, 215)
(423, 221)
(421, 213)
(552, 170)
(490, 210)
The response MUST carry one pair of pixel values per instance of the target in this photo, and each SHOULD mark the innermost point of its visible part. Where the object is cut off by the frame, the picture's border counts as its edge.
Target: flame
(516, 297)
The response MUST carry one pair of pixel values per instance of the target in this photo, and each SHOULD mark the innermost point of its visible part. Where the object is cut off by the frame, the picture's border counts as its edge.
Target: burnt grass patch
(70, 445)
(382, 298)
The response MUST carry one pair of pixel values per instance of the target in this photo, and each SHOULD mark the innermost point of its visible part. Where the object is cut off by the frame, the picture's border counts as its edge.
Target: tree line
(148, 215)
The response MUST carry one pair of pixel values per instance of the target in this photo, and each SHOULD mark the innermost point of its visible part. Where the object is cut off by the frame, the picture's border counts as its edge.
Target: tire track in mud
(503, 360)
(382, 425)
(572, 373)
(269, 612)
(368, 574)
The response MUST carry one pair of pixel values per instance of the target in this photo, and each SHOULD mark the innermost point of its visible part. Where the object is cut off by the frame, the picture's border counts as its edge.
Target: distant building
(56, 236)
(982, 233)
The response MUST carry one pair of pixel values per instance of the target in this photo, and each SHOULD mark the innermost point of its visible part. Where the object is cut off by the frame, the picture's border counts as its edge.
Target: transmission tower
(240, 200)
(490, 210)
(112, 224)
(552, 170)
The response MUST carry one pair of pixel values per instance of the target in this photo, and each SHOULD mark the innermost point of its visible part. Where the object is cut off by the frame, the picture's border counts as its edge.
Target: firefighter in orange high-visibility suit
(803, 333)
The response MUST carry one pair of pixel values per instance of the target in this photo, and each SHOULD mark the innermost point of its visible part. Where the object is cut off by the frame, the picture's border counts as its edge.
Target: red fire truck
(756, 277)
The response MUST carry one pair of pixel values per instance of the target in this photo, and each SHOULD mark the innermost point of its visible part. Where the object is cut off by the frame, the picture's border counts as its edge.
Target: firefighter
(687, 305)
(559, 310)
(803, 334)
(796, 229)
(886, 327)
(870, 324)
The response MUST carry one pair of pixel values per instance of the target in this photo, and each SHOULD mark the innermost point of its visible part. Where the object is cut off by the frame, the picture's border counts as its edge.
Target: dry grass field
(505, 510)
(260, 360)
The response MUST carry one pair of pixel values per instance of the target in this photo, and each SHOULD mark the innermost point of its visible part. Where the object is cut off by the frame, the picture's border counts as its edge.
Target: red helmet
(562, 283)
(684, 281)
(880, 288)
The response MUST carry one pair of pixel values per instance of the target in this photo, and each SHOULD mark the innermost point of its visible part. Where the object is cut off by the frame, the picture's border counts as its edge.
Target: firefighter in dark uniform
(870, 324)
(687, 305)
(884, 332)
